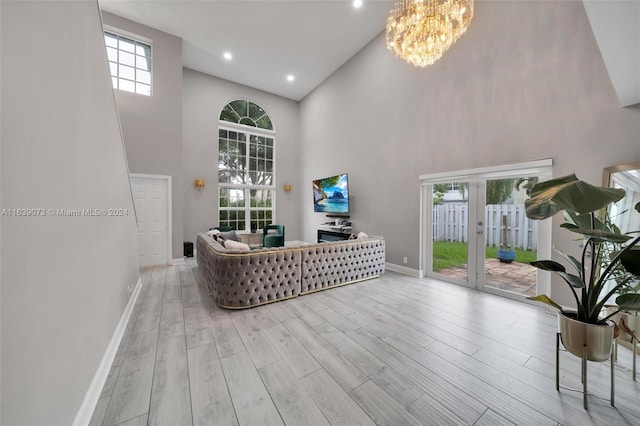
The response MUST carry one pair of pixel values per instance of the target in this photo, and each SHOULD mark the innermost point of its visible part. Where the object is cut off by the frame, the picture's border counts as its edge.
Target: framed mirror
(627, 177)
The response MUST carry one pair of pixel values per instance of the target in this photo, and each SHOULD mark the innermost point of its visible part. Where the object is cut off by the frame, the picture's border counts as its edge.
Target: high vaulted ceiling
(310, 39)
(269, 40)
(616, 27)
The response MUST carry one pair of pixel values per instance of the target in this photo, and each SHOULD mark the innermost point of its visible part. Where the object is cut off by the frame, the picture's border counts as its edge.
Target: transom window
(129, 63)
(246, 112)
(246, 167)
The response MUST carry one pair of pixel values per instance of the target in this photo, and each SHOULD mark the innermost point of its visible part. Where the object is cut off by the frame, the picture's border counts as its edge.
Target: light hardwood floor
(391, 351)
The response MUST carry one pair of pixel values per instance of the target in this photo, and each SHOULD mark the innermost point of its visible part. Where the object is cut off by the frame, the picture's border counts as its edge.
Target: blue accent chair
(273, 236)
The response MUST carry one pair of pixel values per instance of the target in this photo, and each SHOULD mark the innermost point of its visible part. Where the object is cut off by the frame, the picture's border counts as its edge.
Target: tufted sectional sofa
(240, 279)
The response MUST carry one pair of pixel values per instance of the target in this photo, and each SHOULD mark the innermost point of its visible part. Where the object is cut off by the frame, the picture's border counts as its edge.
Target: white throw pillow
(235, 245)
(362, 235)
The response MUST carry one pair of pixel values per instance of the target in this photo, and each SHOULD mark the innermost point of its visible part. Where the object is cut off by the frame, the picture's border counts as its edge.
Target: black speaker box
(188, 249)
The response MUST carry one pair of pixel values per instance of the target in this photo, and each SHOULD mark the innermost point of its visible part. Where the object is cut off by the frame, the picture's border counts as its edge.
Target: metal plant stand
(634, 344)
(584, 372)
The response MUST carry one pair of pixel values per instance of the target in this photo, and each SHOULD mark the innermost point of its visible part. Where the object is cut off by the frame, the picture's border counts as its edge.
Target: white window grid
(454, 186)
(240, 212)
(129, 62)
(252, 215)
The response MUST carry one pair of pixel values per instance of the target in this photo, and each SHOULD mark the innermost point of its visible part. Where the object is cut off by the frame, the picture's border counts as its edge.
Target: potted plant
(505, 254)
(629, 320)
(592, 280)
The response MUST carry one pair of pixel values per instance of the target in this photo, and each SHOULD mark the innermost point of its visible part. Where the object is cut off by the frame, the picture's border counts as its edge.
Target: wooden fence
(451, 223)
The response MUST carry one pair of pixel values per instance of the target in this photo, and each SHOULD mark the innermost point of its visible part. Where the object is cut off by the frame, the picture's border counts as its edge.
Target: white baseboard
(404, 270)
(179, 261)
(83, 417)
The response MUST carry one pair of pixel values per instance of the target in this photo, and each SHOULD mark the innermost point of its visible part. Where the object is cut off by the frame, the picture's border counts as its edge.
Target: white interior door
(151, 196)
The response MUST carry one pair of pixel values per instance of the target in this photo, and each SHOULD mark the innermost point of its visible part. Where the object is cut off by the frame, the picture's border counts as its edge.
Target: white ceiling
(616, 27)
(309, 39)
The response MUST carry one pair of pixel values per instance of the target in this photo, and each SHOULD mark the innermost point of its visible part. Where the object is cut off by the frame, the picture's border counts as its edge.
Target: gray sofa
(242, 279)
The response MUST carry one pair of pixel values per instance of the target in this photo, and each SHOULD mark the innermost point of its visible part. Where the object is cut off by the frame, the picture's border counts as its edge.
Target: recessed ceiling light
(357, 3)
(290, 77)
(228, 56)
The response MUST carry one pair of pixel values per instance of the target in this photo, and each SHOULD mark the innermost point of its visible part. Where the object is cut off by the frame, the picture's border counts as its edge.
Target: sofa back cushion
(236, 245)
(256, 277)
(332, 263)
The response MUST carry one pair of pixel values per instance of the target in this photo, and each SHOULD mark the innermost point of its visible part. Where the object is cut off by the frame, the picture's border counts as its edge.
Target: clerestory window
(129, 63)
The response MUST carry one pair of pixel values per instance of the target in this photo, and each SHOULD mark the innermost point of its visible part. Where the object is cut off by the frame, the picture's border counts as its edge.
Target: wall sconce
(287, 187)
(199, 183)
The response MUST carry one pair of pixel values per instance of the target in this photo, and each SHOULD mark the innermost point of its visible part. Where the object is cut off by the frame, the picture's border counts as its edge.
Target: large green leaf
(573, 280)
(599, 236)
(540, 205)
(549, 265)
(568, 193)
(553, 266)
(630, 259)
(582, 221)
(628, 302)
(582, 197)
(575, 262)
(545, 299)
(569, 226)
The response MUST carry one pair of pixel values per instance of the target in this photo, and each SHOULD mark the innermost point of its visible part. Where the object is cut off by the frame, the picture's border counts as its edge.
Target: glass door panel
(511, 239)
(450, 245)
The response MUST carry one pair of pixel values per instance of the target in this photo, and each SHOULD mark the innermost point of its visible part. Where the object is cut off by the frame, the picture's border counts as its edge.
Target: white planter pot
(575, 335)
(632, 320)
(608, 309)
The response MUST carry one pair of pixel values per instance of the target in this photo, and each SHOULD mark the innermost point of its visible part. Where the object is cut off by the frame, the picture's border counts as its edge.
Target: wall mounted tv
(331, 195)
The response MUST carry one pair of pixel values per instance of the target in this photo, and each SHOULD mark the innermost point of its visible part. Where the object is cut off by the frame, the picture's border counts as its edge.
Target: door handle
(480, 232)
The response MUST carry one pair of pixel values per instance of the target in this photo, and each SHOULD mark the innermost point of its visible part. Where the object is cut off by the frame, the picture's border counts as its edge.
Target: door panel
(511, 238)
(450, 235)
(151, 201)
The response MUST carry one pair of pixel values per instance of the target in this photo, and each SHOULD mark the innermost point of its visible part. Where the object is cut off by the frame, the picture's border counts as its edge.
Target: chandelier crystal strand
(421, 31)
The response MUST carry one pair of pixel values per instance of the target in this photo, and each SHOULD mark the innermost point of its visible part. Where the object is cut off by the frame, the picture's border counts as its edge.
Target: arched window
(246, 112)
(246, 166)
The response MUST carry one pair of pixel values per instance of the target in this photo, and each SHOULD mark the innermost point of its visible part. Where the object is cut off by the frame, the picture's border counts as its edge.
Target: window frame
(136, 39)
(248, 131)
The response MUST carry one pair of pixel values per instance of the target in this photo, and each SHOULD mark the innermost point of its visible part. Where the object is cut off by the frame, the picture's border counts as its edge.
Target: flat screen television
(331, 195)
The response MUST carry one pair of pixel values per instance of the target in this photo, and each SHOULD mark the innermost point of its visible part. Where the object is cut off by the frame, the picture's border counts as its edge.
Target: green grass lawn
(447, 254)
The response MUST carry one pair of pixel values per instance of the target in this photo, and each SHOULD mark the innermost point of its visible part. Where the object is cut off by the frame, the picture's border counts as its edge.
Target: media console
(335, 234)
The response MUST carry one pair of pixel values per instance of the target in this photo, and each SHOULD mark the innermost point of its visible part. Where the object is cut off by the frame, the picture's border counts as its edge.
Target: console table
(326, 235)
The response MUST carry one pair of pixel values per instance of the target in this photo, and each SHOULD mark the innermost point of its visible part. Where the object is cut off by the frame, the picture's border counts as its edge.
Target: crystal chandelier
(421, 31)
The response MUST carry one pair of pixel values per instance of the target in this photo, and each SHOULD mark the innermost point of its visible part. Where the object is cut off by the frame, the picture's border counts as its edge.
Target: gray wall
(203, 99)
(525, 82)
(64, 279)
(152, 126)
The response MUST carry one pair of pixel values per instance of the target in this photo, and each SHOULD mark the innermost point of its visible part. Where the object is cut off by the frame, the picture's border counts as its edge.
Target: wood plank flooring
(391, 351)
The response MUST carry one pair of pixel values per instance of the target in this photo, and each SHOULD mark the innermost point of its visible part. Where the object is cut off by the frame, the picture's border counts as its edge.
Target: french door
(475, 231)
